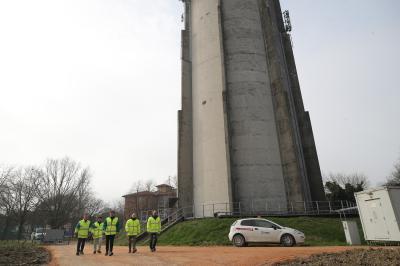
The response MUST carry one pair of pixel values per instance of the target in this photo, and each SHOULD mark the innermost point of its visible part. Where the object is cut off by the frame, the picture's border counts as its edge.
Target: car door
(247, 229)
(265, 231)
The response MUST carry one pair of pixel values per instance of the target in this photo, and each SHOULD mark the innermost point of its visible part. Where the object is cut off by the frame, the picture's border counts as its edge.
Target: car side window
(262, 223)
(247, 223)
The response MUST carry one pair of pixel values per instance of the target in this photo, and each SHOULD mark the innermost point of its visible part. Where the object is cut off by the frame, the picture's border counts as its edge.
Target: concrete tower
(244, 135)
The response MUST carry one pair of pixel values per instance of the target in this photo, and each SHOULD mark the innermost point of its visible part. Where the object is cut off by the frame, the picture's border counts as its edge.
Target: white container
(379, 211)
(351, 232)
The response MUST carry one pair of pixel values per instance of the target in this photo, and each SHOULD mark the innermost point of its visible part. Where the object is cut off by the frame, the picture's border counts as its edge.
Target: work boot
(134, 250)
(99, 251)
(106, 253)
(111, 254)
(130, 251)
(94, 252)
(77, 253)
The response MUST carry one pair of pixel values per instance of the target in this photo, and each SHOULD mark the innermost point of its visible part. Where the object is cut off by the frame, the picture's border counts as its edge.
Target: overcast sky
(99, 81)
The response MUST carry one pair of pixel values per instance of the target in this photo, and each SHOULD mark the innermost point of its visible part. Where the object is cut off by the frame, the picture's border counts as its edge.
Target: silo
(251, 141)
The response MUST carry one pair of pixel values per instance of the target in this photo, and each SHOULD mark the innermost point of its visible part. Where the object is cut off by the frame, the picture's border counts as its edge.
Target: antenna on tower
(287, 22)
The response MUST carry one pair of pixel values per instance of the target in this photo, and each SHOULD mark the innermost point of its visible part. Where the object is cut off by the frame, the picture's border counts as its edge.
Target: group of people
(110, 227)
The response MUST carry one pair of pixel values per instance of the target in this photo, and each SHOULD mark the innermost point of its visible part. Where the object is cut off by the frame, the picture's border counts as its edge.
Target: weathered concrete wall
(211, 169)
(256, 166)
(293, 165)
(243, 132)
(306, 132)
(185, 135)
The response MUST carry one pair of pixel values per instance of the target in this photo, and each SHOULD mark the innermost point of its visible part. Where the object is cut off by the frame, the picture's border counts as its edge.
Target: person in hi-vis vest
(82, 232)
(111, 229)
(132, 228)
(154, 229)
(97, 233)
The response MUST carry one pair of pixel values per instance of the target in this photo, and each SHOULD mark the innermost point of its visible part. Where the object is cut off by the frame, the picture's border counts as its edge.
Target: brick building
(163, 200)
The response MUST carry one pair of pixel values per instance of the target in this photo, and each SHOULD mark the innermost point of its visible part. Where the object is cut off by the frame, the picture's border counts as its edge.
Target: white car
(258, 230)
(38, 234)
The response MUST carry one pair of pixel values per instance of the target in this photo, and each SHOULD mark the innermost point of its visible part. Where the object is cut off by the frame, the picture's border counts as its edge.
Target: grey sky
(347, 55)
(99, 81)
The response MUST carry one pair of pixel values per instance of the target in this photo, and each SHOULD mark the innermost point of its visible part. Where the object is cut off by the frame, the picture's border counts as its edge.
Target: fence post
(341, 203)
(317, 207)
(291, 204)
(330, 207)
(305, 207)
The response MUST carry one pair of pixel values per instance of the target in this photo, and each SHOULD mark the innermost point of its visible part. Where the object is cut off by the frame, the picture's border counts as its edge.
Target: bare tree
(55, 194)
(118, 206)
(137, 186)
(7, 204)
(63, 187)
(94, 205)
(83, 194)
(5, 173)
(343, 186)
(23, 193)
(149, 185)
(356, 180)
(173, 181)
(394, 179)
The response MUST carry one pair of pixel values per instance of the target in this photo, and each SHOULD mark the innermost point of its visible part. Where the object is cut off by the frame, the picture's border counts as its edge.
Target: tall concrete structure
(244, 135)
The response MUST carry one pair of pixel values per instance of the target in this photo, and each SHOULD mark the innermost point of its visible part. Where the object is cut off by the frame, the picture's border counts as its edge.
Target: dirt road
(167, 255)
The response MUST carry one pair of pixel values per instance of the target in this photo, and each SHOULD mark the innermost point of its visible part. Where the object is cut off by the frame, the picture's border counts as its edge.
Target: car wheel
(287, 240)
(239, 241)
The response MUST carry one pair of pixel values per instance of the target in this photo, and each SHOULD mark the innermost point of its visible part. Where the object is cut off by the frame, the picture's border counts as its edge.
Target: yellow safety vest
(153, 225)
(97, 230)
(132, 227)
(111, 226)
(83, 229)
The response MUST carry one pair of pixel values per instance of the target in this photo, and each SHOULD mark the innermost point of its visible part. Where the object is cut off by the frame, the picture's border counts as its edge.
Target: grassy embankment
(319, 231)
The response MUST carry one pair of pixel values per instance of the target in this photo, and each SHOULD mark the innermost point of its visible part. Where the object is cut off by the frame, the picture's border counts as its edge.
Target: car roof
(257, 218)
(245, 219)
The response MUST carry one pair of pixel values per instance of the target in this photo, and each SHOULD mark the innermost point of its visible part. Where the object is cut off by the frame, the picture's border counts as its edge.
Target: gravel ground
(173, 255)
(372, 256)
(24, 255)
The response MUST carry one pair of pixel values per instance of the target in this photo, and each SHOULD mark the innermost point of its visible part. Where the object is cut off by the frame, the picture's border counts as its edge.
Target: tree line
(54, 194)
(343, 186)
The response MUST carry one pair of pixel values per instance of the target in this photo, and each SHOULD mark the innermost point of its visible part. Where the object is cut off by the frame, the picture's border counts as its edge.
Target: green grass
(204, 232)
(200, 232)
(320, 231)
(17, 244)
(121, 240)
